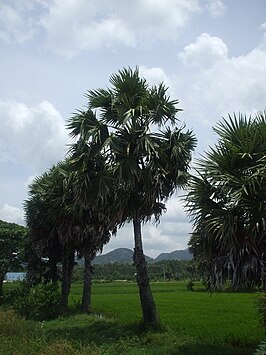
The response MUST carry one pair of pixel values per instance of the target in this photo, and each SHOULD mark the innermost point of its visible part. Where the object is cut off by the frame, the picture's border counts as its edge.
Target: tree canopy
(12, 241)
(227, 202)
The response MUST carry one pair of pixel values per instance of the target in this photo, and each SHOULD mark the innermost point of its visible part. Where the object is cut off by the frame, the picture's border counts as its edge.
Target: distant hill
(120, 255)
(175, 255)
(125, 256)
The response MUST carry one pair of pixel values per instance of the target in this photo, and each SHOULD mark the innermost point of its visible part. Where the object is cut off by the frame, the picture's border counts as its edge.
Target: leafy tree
(60, 227)
(48, 220)
(145, 159)
(227, 203)
(12, 240)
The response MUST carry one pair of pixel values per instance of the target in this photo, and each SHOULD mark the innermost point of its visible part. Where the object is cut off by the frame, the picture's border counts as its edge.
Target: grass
(192, 323)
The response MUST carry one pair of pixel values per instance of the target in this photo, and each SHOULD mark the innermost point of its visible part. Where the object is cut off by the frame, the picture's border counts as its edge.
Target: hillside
(175, 255)
(120, 255)
(125, 256)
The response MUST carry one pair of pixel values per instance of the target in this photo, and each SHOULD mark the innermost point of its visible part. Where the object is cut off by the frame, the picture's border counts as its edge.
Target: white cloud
(234, 85)
(16, 22)
(155, 76)
(74, 26)
(34, 136)
(263, 26)
(11, 214)
(263, 42)
(223, 84)
(216, 8)
(204, 52)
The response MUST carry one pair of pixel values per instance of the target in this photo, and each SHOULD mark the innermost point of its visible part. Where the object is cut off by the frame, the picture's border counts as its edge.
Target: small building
(15, 276)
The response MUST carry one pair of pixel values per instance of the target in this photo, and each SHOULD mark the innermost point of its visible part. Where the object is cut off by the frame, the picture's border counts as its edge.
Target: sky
(210, 53)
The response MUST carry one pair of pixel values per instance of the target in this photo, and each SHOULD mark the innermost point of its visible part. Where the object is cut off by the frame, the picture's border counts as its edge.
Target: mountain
(175, 255)
(125, 256)
(120, 255)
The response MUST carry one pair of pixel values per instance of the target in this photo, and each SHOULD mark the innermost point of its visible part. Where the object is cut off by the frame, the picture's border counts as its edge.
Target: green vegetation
(227, 202)
(12, 240)
(124, 165)
(165, 270)
(127, 128)
(191, 323)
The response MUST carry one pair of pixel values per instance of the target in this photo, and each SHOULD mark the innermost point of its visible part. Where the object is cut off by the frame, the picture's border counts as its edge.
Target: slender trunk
(264, 283)
(2, 277)
(53, 271)
(87, 281)
(146, 298)
(67, 267)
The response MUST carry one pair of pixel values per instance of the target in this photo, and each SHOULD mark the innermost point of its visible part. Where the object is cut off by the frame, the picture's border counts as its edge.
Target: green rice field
(192, 323)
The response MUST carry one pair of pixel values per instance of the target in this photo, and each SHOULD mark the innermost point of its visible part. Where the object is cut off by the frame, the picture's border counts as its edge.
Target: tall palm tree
(227, 203)
(143, 160)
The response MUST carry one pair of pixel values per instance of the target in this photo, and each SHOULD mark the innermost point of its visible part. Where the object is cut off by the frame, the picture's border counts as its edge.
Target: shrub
(190, 284)
(44, 302)
(40, 302)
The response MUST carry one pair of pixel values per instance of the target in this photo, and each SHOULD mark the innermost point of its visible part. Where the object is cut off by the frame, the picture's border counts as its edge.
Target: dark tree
(146, 157)
(227, 201)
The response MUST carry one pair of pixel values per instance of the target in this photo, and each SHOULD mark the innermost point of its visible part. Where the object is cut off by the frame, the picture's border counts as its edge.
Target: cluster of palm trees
(127, 159)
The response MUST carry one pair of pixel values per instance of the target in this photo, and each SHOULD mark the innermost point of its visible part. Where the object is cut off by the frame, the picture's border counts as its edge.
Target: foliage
(261, 349)
(158, 271)
(227, 203)
(142, 160)
(39, 302)
(12, 241)
(146, 165)
(44, 302)
(61, 226)
(190, 284)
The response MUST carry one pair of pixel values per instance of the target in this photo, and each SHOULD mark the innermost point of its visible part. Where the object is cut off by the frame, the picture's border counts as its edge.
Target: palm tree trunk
(146, 298)
(67, 268)
(2, 277)
(87, 281)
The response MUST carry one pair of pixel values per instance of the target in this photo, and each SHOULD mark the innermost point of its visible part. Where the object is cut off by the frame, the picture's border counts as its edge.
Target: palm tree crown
(227, 203)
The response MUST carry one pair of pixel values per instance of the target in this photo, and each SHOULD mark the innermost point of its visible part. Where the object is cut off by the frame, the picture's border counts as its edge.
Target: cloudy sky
(211, 54)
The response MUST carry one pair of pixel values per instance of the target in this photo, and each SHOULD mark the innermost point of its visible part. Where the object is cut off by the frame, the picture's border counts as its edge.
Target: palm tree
(49, 222)
(60, 226)
(227, 203)
(143, 160)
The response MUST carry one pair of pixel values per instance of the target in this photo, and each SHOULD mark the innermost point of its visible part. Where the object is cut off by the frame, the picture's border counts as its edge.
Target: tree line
(166, 270)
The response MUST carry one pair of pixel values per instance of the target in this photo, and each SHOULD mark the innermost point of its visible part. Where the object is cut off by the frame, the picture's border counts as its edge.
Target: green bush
(41, 302)
(190, 284)
(44, 302)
